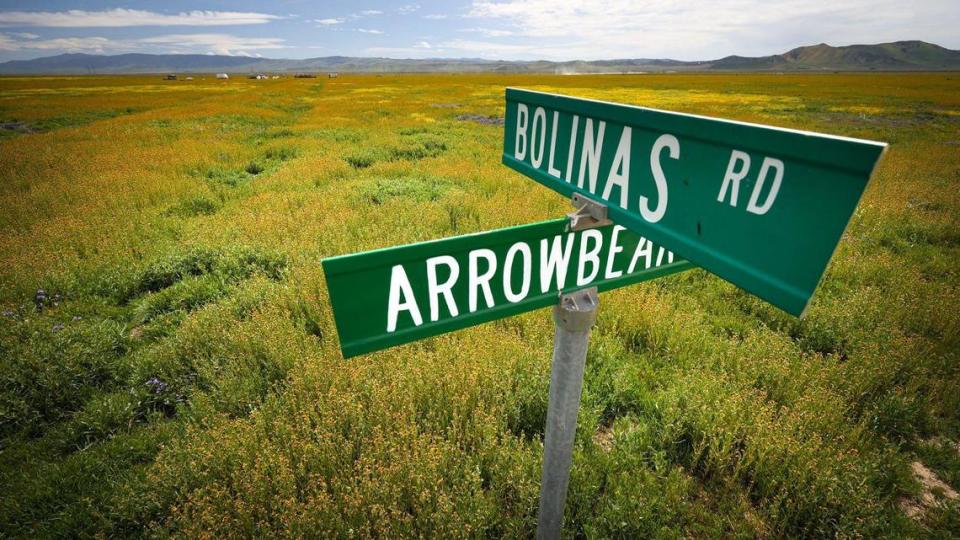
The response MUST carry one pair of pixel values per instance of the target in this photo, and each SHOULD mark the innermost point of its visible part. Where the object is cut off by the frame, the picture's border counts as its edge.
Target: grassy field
(180, 374)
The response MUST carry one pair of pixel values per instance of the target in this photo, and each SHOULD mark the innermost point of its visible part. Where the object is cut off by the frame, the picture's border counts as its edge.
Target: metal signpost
(761, 207)
(573, 316)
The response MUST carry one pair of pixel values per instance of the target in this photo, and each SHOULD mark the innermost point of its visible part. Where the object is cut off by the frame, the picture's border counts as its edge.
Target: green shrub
(361, 159)
(254, 168)
(419, 148)
(420, 188)
(184, 295)
(229, 265)
(194, 206)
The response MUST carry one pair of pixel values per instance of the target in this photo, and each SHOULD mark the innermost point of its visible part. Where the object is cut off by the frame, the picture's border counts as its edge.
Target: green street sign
(762, 207)
(400, 294)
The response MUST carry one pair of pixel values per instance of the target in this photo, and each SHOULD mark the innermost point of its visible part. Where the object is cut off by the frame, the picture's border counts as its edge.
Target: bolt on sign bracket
(589, 214)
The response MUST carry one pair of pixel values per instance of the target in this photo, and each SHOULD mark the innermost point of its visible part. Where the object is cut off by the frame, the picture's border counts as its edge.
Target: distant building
(333, 75)
(189, 79)
(304, 76)
(258, 76)
(170, 77)
(222, 76)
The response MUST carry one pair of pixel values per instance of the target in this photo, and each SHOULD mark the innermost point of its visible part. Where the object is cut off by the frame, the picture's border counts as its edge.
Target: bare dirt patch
(934, 491)
(604, 437)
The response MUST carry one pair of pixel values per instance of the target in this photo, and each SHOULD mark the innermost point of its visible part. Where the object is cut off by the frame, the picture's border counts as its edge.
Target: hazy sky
(508, 29)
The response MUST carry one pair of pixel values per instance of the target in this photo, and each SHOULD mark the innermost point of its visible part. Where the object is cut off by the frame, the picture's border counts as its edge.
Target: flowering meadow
(169, 364)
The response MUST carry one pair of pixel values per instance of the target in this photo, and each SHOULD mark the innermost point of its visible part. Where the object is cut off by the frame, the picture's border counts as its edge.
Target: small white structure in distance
(222, 76)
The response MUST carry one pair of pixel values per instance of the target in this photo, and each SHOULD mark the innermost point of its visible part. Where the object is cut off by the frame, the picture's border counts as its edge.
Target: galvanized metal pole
(574, 316)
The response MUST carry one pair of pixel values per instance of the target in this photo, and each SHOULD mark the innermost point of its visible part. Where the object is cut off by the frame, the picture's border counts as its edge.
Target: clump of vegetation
(419, 146)
(231, 265)
(254, 168)
(194, 206)
(362, 159)
(339, 134)
(268, 162)
(419, 188)
(413, 146)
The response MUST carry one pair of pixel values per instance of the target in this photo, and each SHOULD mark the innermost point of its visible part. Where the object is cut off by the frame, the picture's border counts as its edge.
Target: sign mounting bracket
(589, 214)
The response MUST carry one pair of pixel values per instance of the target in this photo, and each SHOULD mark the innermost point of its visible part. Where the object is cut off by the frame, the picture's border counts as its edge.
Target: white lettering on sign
(768, 163)
(530, 141)
(478, 280)
(620, 171)
(615, 248)
(490, 281)
(554, 262)
(551, 169)
(436, 290)
(738, 168)
(589, 255)
(400, 285)
(538, 132)
(585, 155)
(573, 146)
(673, 146)
(644, 249)
(520, 148)
(524, 250)
(590, 156)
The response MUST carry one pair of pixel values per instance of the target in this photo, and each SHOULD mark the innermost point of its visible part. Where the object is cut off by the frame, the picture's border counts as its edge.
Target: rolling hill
(896, 56)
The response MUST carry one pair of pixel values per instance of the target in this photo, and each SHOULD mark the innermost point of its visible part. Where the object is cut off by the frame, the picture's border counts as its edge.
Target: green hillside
(900, 55)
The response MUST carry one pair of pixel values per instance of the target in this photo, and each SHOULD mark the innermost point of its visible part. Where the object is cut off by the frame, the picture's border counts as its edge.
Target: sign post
(574, 316)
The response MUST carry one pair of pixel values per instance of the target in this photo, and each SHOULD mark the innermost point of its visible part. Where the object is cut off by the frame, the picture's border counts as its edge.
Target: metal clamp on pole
(574, 316)
(589, 214)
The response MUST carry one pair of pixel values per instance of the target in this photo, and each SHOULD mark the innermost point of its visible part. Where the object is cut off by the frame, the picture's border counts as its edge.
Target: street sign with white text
(400, 294)
(759, 206)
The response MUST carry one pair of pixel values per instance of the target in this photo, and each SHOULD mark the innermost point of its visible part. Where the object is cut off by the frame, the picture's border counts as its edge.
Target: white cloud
(75, 44)
(217, 43)
(409, 8)
(435, 16)
(121, 17)
(369, 31)
(489, 32)
(422, 45)
(328, 22)
(706, 29)
(7, 43)
(171, 43)
(371, 12)
(24, 35)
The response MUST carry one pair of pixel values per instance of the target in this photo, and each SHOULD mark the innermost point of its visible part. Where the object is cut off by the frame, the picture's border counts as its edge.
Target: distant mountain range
(897, 56)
